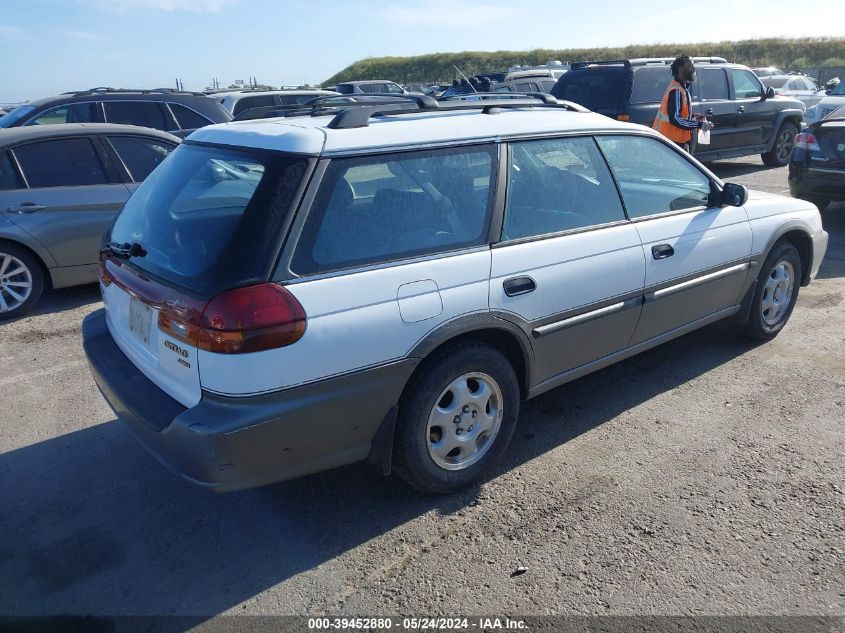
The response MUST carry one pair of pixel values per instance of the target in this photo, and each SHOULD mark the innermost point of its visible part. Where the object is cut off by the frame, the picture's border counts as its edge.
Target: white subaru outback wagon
(291, 295)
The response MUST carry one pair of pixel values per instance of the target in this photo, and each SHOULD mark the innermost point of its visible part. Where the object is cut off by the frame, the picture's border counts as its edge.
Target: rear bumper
(226, 443)
(816, 181)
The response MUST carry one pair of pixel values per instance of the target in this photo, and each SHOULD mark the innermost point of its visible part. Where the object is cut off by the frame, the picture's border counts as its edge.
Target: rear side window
(653, 178)
(186, 118)
(68, 162)
(248, 103)
(143, 113)
(381, 208)
(8, 176)
(558, 185)
(746, 84)
(140, 155)
(600, 87)
(211, 219)
(72, 113)
(650, 84)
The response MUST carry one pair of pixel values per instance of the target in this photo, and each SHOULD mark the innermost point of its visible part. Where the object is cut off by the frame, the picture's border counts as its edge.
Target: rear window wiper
(125, 250)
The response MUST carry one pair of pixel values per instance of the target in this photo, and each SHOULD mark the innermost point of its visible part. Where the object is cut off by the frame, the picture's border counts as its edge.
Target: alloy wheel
(15, 282)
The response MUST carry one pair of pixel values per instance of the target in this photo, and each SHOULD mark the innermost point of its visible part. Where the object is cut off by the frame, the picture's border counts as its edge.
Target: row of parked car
(379, 277)
(69, 163)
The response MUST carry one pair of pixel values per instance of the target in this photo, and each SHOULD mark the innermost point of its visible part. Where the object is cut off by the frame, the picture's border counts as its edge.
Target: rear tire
(456, 418)
(21, 281)
(775, 293)
(784, 146)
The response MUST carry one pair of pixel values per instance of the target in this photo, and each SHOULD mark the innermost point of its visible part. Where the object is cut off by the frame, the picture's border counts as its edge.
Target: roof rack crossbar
(355, 117)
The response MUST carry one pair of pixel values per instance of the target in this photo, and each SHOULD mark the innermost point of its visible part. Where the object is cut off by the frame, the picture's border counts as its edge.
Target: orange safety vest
(661, 121)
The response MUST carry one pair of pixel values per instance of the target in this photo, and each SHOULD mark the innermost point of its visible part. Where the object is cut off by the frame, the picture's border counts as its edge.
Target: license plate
(140, 319)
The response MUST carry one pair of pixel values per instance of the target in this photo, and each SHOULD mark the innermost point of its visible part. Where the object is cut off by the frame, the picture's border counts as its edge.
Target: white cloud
(442, 13)
(186, 6)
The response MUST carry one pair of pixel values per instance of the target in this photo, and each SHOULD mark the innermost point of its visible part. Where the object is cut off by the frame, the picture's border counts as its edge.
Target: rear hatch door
(208, 219)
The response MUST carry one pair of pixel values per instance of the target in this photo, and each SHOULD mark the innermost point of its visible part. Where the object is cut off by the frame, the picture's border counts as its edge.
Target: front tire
(775, 293)
(784, 145)
(21, 281)
(456, 418)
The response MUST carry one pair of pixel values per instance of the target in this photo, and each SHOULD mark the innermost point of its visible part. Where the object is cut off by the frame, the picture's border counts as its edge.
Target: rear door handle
(26, 207)
(740, 109)
(709, 112)
(662, 251)
(519, 286)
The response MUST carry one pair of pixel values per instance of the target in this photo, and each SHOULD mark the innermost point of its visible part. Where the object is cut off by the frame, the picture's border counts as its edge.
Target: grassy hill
(790, 54)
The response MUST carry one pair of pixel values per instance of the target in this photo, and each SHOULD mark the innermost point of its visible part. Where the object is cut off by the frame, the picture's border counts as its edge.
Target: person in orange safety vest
(674, 119)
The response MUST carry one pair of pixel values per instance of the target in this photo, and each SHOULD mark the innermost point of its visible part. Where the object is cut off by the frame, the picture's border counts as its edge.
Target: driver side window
(382, 208)
(558, 185)
(653, 177)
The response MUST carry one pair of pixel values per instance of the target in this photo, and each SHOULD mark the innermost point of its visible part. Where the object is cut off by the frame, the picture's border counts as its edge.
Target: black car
(817, 168)
(172, 111)
(749, 118)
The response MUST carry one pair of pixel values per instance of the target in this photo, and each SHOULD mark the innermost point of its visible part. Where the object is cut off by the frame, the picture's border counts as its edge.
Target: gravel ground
(703, 477)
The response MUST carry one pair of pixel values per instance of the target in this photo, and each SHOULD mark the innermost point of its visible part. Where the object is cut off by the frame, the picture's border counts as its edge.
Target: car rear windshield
(595, 87)
(208, 218)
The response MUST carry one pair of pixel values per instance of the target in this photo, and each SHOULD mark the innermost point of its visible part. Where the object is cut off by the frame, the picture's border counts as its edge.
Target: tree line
(788, 54)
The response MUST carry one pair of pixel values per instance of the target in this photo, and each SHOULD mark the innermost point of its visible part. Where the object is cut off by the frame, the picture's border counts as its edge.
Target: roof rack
(644, 61)
(319, 107)
(355, 117)
(143, 91)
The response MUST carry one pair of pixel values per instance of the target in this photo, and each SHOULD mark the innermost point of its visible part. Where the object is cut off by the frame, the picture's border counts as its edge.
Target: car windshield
(838, 90)
(9, 119)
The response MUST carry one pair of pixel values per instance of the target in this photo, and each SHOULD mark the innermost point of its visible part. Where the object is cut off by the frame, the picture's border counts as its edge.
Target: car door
(569, 268)
(697, 255)
(711, 97)
(754, 115)
(72, 196)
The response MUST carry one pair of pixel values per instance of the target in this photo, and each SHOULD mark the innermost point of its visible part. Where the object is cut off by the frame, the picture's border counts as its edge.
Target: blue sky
(52, 46)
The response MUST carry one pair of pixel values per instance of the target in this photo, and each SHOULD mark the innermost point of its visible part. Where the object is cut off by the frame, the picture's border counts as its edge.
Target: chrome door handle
(709, 112)
(26, 207)
(740, 109)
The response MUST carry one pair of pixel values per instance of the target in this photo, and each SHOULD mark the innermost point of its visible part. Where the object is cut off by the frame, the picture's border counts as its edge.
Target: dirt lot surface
(703, 477)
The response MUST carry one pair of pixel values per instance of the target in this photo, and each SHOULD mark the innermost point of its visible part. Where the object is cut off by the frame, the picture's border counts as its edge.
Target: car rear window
(210, 219)
(595, 87)
(186, 118)
(650, 84)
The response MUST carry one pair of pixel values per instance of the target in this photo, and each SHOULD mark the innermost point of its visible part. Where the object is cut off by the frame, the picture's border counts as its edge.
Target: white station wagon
(291, 295)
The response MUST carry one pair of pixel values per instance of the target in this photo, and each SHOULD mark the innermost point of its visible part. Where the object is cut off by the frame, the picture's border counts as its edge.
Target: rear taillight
(249, 319)
(106, 277)
(807, 141)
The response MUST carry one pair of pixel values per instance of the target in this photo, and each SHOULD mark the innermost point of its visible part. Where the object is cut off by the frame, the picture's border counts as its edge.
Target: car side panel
(358, 320)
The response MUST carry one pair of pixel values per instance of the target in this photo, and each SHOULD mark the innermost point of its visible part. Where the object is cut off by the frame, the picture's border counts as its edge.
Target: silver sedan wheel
(464, 421)
(15, 282)
(777, 292)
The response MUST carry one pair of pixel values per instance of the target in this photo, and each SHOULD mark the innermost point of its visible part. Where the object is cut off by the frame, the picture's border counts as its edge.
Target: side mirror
(827, 92)
(770, 93)
(734, 195)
